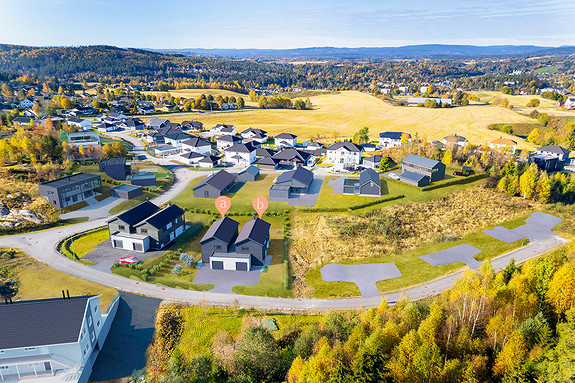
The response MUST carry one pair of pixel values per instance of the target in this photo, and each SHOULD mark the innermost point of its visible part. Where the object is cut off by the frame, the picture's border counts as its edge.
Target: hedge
(458, 181)
(353, 207)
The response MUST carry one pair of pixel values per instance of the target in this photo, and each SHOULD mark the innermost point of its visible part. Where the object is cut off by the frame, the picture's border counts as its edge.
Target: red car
(131, 260)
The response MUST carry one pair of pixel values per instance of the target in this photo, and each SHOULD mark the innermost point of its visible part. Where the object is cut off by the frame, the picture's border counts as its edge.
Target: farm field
(519, 102)
(346, 112)
(195, 93)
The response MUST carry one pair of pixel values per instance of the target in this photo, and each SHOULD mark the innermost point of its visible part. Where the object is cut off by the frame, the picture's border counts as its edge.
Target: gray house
(372, 162)
(251, 173)
(68, 190)
(115, 167)
(126, 191)
(550, 158)
(291, 182)
(146, 227)
(144, 179)
(219, 238)
(368, 184)
(215, 185)
(421, 171)
(254, 239)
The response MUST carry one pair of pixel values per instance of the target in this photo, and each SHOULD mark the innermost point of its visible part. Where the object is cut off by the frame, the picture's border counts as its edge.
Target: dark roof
(229, 138)
(256, 230)
(300, 174)
(177, 136)
(196, 142)
(166, 130)
(455, 138)
(252, 170)
(269, 161)
(210, 159)
(421, 161)
(161, 218)
(193, 124)
(412, 176)
(265, 152)
(126, 187)
(290, 154)
(241, 148)
(376, 158)
(42, 322)
(393, 135)
(286, 135)
(190, 155)
(350, 146)
(22, 120)
(157, 121)
(138, 213)
(113, 161)
(554, 149)
(224, 128)
(219, 180)
(256, 131)
(223, 229)
(369, 175)
(71, 179)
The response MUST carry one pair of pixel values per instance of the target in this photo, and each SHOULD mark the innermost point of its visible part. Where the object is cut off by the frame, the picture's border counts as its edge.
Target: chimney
(68, 293)
(63, 295)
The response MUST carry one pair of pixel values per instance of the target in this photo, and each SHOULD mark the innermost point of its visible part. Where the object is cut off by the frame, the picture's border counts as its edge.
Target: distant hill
(409, 51)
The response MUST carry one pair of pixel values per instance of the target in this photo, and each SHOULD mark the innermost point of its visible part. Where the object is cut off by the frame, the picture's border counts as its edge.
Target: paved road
(94, 211)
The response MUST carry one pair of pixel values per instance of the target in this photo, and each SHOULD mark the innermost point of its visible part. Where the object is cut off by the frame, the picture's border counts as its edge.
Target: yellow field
(195, 93)
(347, 112)
(517, 101)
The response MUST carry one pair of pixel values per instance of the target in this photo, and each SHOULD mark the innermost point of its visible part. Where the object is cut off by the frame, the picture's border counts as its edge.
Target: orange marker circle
(223, 204)
(260, 205)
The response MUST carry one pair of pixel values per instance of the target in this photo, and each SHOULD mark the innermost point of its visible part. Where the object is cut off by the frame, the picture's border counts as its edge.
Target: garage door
(241, 266)
(118, 243)
(217, 265)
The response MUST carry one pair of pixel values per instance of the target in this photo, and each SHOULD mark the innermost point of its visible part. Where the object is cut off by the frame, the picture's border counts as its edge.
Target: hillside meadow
(341, 114)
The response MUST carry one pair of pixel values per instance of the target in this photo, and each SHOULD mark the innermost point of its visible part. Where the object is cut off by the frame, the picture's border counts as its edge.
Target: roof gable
(137, 213)
(224, 229)
(256, 230)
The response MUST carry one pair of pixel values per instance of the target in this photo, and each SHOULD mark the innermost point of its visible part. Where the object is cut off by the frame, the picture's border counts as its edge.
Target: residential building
(146, 227)
(251, 173)
(221, 129)
(240, 154)
(115, 167)
(26, 103)
(372, 162)
(190, 158)
(219, 238)
(158, 136)
(106, 127)
(455, 139)
(53, 340)
(293, 158)
(198, 145)
(415, 101)
(166, 150)
(550, 158)
(22, 121)
(391, 139)
(132, 124)
(210, 162)
(292, 182)
(569, 103)
(257, 135)
(224, 142)
(285, 139)
(504, 143)
(344, 155)
(368, 184)
(268, 163)
(79, 123)
(68, 190)
(83, 138)
(176, 139)
(143, 179)
(126, 191)
(421, 171)
(215, 185)
(192, 126)
(157, 123)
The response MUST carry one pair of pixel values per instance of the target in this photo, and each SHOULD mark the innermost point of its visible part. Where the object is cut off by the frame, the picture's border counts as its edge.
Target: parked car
(393, 176)
(129, 260)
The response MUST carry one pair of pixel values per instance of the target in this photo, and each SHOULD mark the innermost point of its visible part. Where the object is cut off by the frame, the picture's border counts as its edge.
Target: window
(3, 367)
(30, 349)
(95, 308)
(92, 336)
(89, 321)
(84, 352)
(217, 247)
(144, 231)
(245, 248)
(168, 225)
(121, 227)
(98, 323)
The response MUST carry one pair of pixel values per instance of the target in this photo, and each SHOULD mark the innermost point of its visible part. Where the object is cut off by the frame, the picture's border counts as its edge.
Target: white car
(394, 176)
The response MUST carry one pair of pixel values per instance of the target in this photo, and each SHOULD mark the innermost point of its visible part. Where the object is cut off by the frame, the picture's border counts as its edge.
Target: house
(53, 340)
(251, 173)
(209, 162)
(293, 157)
(157, 123)
(368, 147)
(344, 155)
(146, 110)
(415, 101)
(79, 123)
(115, 167)
(240, 154)
(224, 142)
(83, 138)
(22, 121)
(176, 139)
(215, 185)
(117, 116)
(550, 158)
(192, 126)
(569, 103)
(166, 150)
(504, 143)
(132, 124)
(126, 191)
(68, 190)
(368, 184)
(26, 103)
(190, 158)
(268, 163)
(257, 135)
(421, 171)
(221, 129)
(455, 139)
(285, 139)
(146, 227)
(372, 162)
(143, 179)
(264, 152)
(197, 145)
(106, 127)
(391, 139)
(224, 249)
(295, 181)
(158, 136)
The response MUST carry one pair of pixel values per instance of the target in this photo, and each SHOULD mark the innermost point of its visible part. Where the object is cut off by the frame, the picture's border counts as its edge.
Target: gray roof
(137, 213)
(252, 170)
(259, 132)
(288, 136)
(290, 154)
(241, 148)
(113, 161)
(126, 187)
(223, 229)
(177, 136)
(162, 217)
(300, 174)
(210, 159)
(229, 138)
(392, 135)
(224, 128)
(163, 148)
(554, 149)
(256, 230)
(71, 179)
(42, 322)
(350, 146)
(421, 161)
(369, 175)
(375, 159)
(265, 152)
(191, 155)
(196, 142)
(156, 122)
(412, 176)
(219, 180)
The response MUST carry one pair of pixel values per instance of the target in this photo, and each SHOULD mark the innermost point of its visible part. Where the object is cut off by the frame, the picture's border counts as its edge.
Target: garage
(231, 261)
(217, 265)
(126, 191)
(241, 266)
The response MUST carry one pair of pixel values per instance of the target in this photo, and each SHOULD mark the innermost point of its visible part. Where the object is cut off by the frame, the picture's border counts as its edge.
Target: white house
(53, 340)
(79, 122)
(197, 145)
(504, 143)
(224, 142)
(240, 154)
(26, 103)
(455, 139)
(84, 138)
(223, 129)
(285, 139)
(257, 135)
(176, 139)
(106, 127)
(569, 103)
(391, 139)
(191, 158)
(344, 155)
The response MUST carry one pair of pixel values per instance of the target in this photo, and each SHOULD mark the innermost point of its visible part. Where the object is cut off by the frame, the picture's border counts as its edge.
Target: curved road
(41, 246)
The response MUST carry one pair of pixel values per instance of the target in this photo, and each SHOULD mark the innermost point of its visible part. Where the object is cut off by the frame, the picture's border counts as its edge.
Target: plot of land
(308, 199)
(462, 253)
(364, 276)
(537, 226)
(225, 280)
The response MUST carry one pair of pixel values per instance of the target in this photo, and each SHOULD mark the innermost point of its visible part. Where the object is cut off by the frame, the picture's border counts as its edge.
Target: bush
(177, 269)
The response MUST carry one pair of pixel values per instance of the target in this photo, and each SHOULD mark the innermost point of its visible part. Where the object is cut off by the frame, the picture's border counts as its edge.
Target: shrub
(177, 269)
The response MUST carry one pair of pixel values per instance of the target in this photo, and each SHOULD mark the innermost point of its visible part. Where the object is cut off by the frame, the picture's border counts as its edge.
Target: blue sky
(286, 23)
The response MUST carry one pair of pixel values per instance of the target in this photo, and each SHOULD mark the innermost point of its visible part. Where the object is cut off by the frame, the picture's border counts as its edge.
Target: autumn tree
(561, 293)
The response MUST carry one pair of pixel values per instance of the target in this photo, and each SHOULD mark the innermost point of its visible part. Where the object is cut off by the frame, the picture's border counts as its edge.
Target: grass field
(515, 100)
(347, 112)
(196, 93)
(86, 243)
(547, 69)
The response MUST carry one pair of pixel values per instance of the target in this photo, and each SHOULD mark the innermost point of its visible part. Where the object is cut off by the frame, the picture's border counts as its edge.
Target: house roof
(126, 187)
(392, 135)
(261, 133)
(455, 138)
(349, 146)
(114, 161)
(268, 161)
(224, 128)
(192, 124)
(369, 175)
(192, 155)
(219, 180)
(223, 229)
(166, 130)
(265, 152)
(291, 154)
(228, 138)
(22, 120)
(554, 149)
(241, 148)
(210, 159)
(421, 161)
(504, 141)
(162, 217)
(196, 142)
(177, 136)
(252, 170)
(287, 136)
(412, 176)
(157, 121)
(71, 179)
(374, 159)
(137, 213)
(256, 230)
(300, 174)
(165, 148)
(42, 322)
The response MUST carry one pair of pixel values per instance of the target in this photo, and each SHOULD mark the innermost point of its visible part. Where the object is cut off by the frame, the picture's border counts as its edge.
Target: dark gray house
(268, 163)
(219, 238)
(368, 184)
(421, 171)
(68, 190)
(115, 167)
(215, 185)
(251, 173)
(144, 179)
(126, 191)
(372, 162)
(550, 158)
(291, 182)
(146, 227)
(254, 239)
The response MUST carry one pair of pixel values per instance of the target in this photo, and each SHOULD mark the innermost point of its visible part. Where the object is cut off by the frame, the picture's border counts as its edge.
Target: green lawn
(128, 204)
(86, 243)
(414, 270)
(107, 140)
(163, 176)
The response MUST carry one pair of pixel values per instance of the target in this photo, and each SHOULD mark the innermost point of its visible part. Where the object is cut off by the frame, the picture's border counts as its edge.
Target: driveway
(130, 335)
(364, 276)
(94, 211)
(224, 280)
(461, 253)
(305, 200)
(104, 256)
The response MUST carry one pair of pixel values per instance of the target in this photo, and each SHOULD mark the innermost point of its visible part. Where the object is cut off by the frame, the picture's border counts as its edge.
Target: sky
(282, 24)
